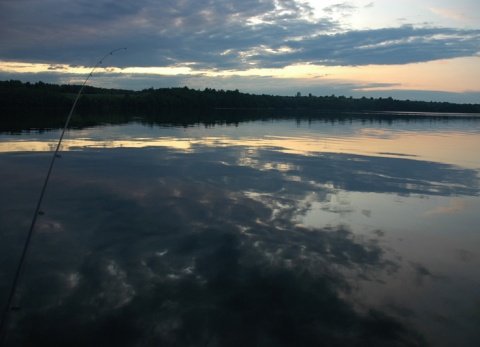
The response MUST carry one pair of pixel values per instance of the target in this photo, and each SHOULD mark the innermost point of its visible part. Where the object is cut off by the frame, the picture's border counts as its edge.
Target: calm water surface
(268, 233)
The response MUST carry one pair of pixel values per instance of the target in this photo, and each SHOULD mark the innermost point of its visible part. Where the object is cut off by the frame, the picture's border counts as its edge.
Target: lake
(292, 232)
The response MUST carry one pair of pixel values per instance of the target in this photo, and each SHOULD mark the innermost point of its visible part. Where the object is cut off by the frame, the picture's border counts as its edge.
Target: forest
(18, 96)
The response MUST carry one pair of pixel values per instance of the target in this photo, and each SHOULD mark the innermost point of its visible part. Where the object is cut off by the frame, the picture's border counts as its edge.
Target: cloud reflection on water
(452, 147)
(211, 246)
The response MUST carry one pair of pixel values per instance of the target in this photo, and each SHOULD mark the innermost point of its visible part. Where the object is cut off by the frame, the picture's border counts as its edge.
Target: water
(288, 232)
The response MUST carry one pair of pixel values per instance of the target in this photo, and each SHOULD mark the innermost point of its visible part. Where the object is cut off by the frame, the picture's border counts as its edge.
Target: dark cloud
(401, 45)
(56, 67)
(212, 34)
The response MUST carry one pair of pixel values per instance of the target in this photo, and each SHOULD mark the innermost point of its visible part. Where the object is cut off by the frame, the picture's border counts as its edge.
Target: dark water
(273, 233)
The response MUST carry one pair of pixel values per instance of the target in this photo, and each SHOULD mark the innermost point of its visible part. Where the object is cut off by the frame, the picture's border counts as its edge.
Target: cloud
(344, 9)
(214, 35)
(401, 45)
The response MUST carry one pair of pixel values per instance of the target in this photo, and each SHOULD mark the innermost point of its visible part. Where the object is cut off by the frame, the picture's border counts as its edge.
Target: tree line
(15, 95)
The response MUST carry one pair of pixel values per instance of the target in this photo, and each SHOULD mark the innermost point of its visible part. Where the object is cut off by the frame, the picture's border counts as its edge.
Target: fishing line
(11, 306)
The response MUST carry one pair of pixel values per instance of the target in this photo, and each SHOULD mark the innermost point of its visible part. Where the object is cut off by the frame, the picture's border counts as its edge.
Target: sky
(409, 49)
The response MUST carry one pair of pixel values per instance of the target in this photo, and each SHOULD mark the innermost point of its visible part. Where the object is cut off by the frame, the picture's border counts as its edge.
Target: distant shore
(16, 95)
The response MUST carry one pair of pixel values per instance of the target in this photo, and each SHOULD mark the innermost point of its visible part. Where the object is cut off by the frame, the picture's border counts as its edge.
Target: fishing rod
(11, 306)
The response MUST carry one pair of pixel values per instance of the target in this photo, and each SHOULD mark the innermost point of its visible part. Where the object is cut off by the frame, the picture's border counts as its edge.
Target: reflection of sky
(451, 142)
(368, 210)
(250, 231)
